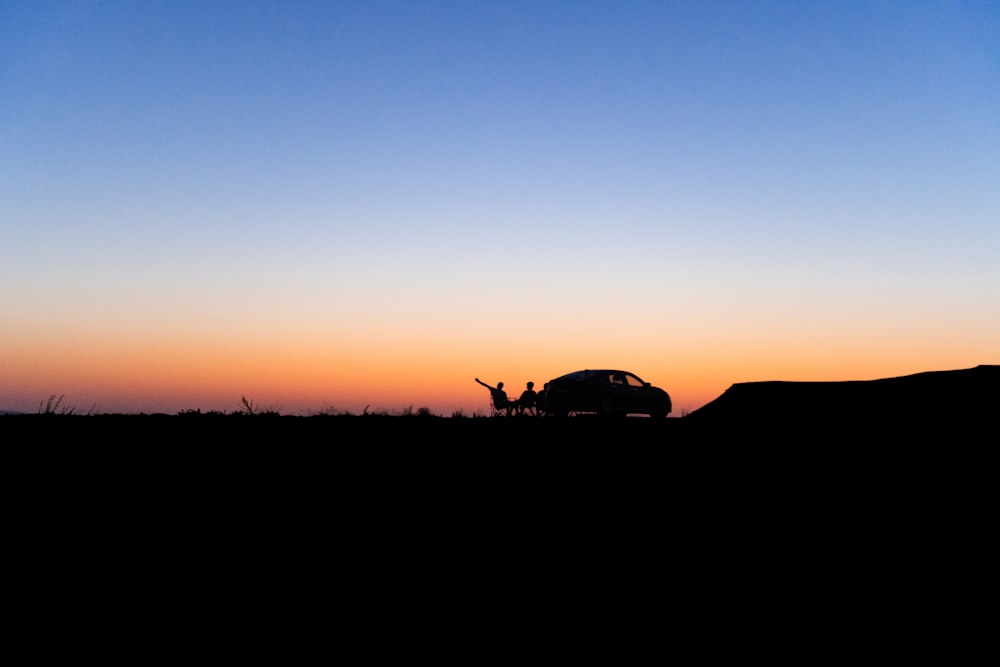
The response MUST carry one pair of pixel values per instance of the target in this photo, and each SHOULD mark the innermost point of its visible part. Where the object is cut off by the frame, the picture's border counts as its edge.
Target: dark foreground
(754, 435)
(880, 505)
(384, 488)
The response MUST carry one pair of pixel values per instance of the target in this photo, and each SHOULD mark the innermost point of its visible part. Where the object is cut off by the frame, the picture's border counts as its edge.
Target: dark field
(805, 493)
(865, 477)
(365, 464)
(755, 438)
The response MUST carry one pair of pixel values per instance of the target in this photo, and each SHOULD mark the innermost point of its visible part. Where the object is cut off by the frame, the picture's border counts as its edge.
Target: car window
(633, 381)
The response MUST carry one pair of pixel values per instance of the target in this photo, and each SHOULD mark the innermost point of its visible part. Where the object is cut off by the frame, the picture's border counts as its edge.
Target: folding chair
(501, 409)
(527, 405)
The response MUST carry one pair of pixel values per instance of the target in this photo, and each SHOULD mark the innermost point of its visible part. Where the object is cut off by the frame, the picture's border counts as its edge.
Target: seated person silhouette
(499, 396)
(527, 400)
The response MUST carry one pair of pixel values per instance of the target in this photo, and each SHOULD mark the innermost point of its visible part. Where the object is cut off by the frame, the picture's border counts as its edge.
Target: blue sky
(445, 178)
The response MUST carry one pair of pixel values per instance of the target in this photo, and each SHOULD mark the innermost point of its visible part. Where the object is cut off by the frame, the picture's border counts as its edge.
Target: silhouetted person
(527, 399)
(499, 396)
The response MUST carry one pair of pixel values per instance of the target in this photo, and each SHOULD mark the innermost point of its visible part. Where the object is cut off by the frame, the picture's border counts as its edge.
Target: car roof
(584, 374)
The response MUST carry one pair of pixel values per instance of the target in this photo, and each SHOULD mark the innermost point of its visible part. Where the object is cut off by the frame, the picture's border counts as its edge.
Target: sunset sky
(328, 206)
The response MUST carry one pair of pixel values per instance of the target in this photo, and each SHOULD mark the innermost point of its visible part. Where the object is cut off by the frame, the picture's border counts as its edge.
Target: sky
(344, 206)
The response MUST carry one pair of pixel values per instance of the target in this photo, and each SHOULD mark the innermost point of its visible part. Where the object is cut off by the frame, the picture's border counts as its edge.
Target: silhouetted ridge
(933, 396)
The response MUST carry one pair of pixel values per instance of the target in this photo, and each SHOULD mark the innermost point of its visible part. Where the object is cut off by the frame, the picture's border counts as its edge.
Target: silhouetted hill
(957, 398)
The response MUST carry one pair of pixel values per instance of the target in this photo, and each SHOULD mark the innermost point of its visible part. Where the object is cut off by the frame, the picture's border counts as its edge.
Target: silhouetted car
(606, 392)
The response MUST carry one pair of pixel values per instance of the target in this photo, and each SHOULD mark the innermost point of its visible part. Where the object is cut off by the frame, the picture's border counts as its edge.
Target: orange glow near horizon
(310, 375)
(399, 362)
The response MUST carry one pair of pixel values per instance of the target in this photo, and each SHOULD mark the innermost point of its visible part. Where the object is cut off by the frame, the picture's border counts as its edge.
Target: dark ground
(874, 497)
(931, 430)
(755, 436)
(311, 474)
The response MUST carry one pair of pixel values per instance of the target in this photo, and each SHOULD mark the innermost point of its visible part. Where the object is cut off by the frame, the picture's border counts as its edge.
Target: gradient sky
(324, 206)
